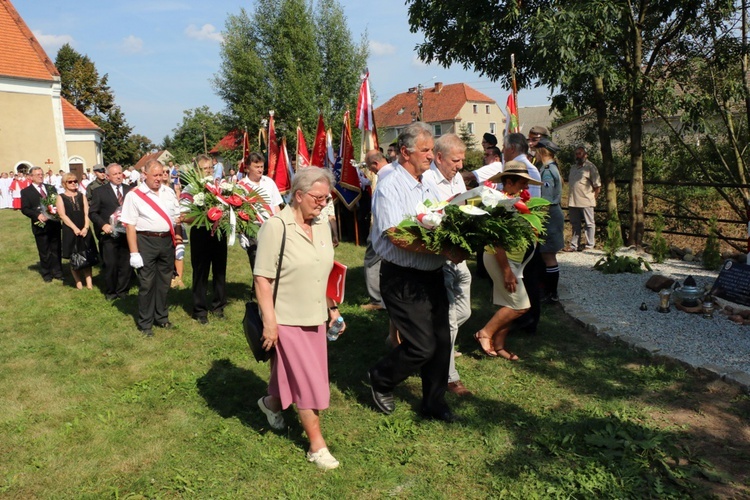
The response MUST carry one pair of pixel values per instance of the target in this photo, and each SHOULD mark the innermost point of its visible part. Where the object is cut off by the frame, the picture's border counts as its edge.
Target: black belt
(155, 234)
(413, 270)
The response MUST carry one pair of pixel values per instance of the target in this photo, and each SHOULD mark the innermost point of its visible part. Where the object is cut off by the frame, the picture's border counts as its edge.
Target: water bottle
(333, 332)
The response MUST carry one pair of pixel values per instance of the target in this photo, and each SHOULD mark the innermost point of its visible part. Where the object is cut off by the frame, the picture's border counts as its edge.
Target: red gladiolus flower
(214, 213)
(525, 195)
(522, 208)
(242, 215)
(234, 200)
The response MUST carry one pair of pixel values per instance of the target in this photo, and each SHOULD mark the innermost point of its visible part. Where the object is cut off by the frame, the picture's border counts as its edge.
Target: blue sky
(161, 54)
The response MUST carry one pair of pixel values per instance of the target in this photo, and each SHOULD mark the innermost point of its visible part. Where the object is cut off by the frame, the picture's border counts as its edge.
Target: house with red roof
(39, 127)
(444, 107)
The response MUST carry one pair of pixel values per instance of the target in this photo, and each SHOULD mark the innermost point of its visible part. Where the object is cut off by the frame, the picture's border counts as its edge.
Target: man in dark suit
(46, 231)
(113, 244)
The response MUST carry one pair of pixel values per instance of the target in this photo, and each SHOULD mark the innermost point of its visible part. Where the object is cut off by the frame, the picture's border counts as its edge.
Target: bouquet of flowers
(114, 220)
(482, 217)
(222, 207)
(48, 205)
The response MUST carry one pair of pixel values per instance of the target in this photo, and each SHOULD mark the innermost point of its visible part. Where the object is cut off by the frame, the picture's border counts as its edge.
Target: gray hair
(112, 165)
(518, 142)
(306, 177)
(409, 136)
(445, 144)
(31, 170)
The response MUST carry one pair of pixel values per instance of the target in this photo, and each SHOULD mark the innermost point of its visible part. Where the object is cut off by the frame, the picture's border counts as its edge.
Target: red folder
(336, 282)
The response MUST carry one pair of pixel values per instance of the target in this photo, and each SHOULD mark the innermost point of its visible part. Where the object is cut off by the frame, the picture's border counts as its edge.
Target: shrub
(711, 253)
(659, 245)
(614, 235)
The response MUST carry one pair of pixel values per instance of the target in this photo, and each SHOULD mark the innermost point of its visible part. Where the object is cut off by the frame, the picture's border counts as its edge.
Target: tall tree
(285, 57)
(199, 131)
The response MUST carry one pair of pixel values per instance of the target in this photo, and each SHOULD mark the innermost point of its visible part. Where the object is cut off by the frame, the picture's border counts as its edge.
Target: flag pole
(515, 87)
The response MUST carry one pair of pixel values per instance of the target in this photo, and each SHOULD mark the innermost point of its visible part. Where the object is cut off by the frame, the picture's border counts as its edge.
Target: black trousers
(417, 303)
(116, 259)
(155, 277)
(208, 254)
(49, 247)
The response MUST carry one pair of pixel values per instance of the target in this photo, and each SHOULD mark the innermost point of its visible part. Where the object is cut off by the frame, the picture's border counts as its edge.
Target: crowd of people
(140, 224)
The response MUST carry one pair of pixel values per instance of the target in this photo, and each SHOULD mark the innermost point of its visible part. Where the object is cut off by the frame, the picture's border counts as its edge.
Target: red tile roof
(74, 119)
(436, 106)
(21, 55)
(229, 142)
(146, 158)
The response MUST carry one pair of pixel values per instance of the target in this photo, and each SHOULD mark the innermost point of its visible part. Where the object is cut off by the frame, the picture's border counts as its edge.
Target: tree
(199, 131)
(286, 58)
(117, 147)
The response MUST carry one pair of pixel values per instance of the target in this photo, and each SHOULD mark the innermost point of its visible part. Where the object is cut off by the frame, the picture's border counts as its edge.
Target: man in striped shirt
(411, 282)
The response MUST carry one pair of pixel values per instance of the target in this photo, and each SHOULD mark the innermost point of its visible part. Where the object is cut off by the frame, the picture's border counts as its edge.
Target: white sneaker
(275, 418)
(323, 459)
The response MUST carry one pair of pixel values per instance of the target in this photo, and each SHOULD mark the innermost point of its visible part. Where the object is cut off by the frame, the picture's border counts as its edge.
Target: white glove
(179, 251)
(244, 241)
(136, 261)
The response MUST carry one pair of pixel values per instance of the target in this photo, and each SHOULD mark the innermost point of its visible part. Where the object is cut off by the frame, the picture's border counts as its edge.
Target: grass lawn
(90, 409)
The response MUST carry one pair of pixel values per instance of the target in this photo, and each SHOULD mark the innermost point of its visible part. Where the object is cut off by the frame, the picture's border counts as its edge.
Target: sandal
(486, 345)
(506, 354)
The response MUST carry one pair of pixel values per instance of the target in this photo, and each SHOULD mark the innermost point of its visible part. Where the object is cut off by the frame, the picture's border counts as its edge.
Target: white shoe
(275, 418)
(323, 459)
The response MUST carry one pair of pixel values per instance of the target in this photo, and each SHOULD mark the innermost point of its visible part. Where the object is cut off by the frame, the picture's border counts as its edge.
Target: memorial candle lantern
(664, 297)
(708, 309)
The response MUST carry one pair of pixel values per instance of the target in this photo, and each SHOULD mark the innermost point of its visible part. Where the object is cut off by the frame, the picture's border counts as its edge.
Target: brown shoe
(372, 307)
(570, 249)
(459, 389)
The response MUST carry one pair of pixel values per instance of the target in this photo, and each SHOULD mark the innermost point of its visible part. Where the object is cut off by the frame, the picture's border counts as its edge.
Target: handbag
(83, 256)
(252, 323)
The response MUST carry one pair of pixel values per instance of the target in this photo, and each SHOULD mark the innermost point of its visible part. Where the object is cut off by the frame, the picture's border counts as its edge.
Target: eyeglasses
(71, 182)
(318, 199)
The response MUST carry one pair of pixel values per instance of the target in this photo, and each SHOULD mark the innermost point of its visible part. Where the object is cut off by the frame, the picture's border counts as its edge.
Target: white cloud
(418, 63)
(205, 32)
(132, 45)
(382, 49)
(52, 43)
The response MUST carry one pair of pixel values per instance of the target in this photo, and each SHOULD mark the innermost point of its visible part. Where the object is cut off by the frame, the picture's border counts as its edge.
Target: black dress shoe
(166, 325)
(47, 280)
(59, 277)
(445, 415)
(201, 319)
(218, 313)
(110, 297)
(146, 332)
(383, 400)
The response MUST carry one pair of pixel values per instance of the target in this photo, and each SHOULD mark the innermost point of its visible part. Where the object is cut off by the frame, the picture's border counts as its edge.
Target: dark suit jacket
(103, 204)
(31, 208)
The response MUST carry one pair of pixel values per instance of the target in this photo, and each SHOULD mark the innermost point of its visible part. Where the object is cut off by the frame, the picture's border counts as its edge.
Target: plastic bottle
(333, 332)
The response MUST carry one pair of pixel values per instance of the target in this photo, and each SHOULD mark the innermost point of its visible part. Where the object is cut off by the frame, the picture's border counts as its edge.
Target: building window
(493, 128)
(438, 127)
(487, 108)
(475, 108)
(470, 127)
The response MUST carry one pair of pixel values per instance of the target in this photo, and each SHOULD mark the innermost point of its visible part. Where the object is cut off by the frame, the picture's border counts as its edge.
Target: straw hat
(515, 168)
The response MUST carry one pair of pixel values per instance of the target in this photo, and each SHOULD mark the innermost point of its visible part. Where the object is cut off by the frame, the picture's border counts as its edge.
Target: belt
(413, 270)
(155, 234)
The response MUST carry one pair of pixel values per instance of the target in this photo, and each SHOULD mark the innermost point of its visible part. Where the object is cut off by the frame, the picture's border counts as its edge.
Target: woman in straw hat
(505, 267)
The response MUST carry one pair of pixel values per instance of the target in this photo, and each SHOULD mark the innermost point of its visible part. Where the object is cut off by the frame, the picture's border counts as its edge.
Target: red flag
(303, 156)
(245, 151)
(349, 176)
(319, 146)
(281, 174)
(511, 115)
(273, 146)
(365, 119)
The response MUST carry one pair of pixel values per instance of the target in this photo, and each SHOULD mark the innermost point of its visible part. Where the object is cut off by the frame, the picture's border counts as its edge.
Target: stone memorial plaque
(733, 283)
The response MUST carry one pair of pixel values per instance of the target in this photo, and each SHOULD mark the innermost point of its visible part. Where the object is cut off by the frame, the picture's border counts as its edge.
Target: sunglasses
(71, 182)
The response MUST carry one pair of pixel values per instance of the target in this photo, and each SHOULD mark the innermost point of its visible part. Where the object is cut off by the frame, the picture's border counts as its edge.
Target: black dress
(74, 210)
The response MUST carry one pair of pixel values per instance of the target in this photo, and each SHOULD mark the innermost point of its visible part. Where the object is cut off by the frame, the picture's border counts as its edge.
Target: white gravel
(610, 305)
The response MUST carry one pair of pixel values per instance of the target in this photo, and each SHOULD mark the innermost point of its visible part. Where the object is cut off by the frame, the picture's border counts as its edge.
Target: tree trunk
(637, 225)
(605, 143)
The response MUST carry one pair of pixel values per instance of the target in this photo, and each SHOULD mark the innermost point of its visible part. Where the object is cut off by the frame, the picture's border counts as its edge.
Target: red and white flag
(282, 172)
(303, 156)
(511, 115)
(319, 146)
(349, 175)
(365, 119)
(245, 151)
(273, 146)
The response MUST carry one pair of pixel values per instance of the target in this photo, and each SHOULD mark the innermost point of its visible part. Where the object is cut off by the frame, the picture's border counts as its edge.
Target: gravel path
(609, 305)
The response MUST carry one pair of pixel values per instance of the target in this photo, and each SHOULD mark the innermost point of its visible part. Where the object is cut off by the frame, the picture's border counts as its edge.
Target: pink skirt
(299, 368)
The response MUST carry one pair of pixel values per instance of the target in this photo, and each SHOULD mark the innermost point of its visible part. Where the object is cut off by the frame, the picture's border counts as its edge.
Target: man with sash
(149, 214)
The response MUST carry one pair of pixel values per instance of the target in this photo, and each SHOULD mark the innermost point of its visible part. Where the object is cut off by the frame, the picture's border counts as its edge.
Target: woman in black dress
(73, 210)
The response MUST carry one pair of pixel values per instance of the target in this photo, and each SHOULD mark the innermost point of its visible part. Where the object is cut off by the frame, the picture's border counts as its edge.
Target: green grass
(90, 409)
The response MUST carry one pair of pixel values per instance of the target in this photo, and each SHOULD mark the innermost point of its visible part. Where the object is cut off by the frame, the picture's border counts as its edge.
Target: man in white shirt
(450, 152)
(149, 214)
(218, 173)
